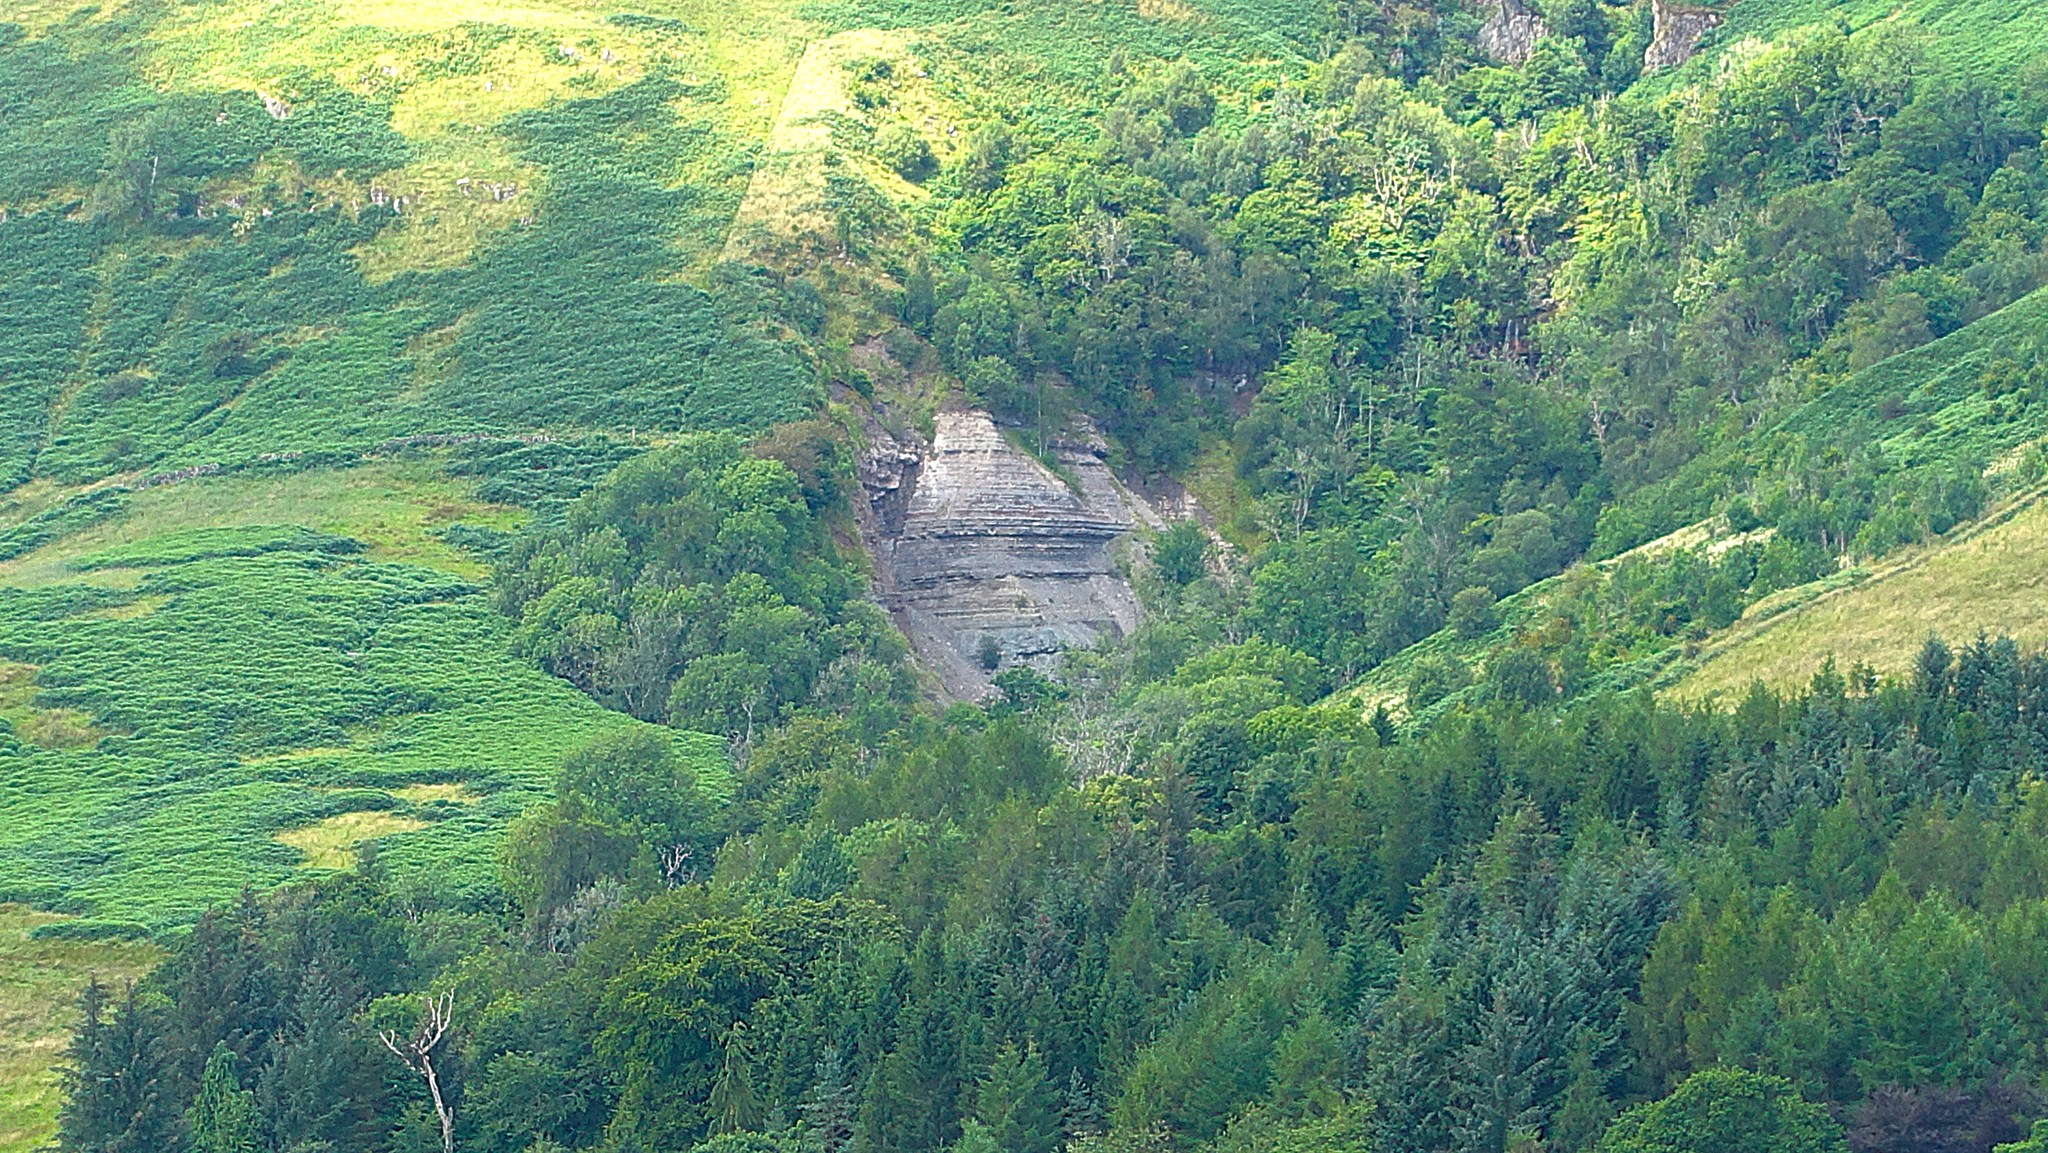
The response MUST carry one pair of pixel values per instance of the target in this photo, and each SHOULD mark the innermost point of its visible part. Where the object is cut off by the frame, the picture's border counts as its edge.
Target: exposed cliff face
(975, 542)
(1676, 33)
(1510, 32)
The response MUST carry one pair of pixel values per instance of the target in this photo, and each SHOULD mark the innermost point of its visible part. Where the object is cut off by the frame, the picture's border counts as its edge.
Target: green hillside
(435, 438)
(1971, 401)
(1981, 36)
(258, 258)
(187, 687)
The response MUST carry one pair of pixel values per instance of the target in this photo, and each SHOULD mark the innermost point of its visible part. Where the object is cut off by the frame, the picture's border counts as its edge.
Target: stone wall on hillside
(976, 541)
(1676, 33)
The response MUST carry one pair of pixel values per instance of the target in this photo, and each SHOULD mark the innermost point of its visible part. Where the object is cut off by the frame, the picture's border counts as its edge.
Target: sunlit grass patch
(333, 843)
(454, 794)
(846, 87)
(397, 509)
(141, 606)
(1993, 580)
(58, 728)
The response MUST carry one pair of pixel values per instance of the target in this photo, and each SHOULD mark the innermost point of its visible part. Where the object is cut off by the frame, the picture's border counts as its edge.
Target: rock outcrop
(1676, 32)
(978, 544)
(1510, 32)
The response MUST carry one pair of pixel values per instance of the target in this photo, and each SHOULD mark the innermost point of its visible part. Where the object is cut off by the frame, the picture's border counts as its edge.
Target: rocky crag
(1676, 32)
(1510, 32)
(985, 556)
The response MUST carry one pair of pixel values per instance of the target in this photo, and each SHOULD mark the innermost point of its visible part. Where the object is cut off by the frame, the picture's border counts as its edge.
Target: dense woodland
(1821, 914)
(1454, 327)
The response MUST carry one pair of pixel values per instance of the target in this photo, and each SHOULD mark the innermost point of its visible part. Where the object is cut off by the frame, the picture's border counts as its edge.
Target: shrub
(901, 148)
(1726, 1111)
(1472, 613)
(1433, 679)
(1181, 554)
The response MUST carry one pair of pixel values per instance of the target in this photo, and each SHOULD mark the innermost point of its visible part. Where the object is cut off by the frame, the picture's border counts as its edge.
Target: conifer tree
(117, 1102)
(320, 1085)
(1017, 1103)
(222, 1118)
(828, 1109)
(224, 993)
(1080, 1110)
(735, 1106)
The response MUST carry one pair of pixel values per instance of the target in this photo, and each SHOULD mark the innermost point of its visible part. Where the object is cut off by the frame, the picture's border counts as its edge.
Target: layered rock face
(1676, 33)
(982, 545)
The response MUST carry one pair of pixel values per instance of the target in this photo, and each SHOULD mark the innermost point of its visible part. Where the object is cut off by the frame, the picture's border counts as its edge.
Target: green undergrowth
(1970, 401)
(1959, 403)
(1043, 67)
(1966, 396)
(191, 285)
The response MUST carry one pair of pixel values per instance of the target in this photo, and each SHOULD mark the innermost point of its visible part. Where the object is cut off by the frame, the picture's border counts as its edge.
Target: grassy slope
(1990, 580)
(1985, 36)
(217, 667)
(1979, 580)
(195, 676)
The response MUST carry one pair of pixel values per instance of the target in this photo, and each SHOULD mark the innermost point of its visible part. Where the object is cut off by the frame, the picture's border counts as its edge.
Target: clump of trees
(701, 585)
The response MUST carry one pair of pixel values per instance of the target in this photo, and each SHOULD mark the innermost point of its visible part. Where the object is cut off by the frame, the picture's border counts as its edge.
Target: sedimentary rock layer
(990, 554)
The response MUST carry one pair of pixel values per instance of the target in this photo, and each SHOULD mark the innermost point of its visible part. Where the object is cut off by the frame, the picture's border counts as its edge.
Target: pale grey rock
(1510, 32)
(974, 538)
(1676, 32)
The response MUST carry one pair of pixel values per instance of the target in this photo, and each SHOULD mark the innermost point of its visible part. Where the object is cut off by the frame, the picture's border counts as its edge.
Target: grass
(40, 979)
(397, 509)
(450, 218)
(453, 794)
(1987, 37)
(1993, 579)
(270, 681)
(332, 843)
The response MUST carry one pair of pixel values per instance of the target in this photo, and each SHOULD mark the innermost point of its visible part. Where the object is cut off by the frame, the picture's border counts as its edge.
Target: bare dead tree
(418, 1055)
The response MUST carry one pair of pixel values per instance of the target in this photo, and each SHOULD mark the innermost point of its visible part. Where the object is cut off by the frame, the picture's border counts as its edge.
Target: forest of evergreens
(1288, 930)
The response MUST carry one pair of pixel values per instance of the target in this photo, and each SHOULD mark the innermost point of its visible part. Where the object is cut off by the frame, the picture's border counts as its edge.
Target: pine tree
(1017, 1102)
(222, 989)
(1080, 1111)
(116, 1101)
(320, 1085)
(735, 1107)
(222, 1118)
(828, 1109)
